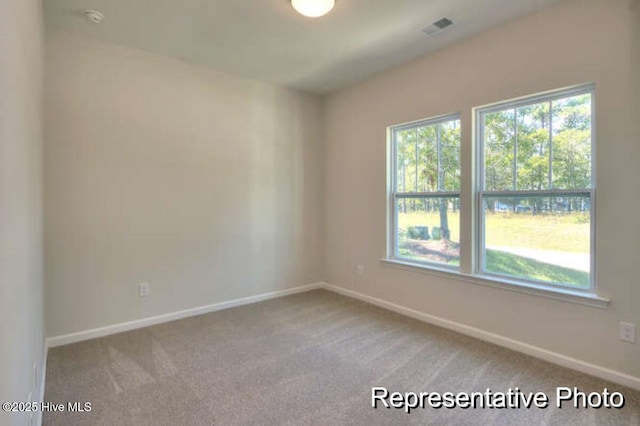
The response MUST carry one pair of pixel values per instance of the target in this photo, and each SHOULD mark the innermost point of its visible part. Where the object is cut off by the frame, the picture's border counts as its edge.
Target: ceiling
(268, 40)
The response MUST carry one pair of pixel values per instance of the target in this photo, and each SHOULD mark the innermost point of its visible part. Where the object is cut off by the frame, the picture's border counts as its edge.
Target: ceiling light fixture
(313, 8)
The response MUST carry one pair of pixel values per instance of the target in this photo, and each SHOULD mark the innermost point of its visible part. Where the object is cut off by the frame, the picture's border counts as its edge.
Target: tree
(538, 147)
(448, 169)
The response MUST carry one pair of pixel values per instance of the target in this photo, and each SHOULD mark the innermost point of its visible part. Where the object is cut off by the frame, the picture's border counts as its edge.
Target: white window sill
(565, 295)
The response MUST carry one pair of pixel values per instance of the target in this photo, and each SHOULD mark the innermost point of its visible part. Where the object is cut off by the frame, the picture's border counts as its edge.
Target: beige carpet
(310, 359)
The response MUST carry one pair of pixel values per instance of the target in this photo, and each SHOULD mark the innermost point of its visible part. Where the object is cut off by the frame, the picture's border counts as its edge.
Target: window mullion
(443, 194)
(550, 185)
(543, 193)
(515, 149)
(439, 154)
(417, 158)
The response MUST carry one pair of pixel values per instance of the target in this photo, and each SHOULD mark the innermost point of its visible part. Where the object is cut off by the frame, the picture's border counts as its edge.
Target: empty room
(319, 212)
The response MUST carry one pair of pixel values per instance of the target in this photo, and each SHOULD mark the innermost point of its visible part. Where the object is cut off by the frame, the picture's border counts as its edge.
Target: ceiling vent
(94, 16)
(437, 26)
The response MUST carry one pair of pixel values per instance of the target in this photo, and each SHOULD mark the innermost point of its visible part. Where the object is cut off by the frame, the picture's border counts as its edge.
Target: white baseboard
(146, 322)
(525, 348)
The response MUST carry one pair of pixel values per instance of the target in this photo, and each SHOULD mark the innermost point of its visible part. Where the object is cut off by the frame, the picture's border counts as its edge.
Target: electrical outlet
(627, 332)
(144, 289)
(359, 269)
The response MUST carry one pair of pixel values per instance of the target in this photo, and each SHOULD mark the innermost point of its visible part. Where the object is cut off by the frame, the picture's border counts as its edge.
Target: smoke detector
(437, 26)
(93, 16)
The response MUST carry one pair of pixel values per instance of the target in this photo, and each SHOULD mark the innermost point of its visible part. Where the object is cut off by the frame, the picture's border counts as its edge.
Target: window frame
(479, 194)
(394, 196)
(470, 195)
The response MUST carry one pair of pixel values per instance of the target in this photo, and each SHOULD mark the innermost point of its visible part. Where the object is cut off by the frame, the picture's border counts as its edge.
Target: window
(531, 185)
(425, 195)
(536, 189)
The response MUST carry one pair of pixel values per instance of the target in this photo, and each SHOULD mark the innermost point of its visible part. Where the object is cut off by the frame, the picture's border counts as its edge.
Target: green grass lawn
(499, 262)
(563, 233)
(509, 264)
(543, 232)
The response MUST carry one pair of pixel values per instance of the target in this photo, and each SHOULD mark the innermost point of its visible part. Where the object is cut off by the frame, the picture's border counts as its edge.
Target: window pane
(538, 238)
(499, 142)
(532, 147)
(450, 156)
(428, 229)
(428, 158)
(572, 142)
(406, 160)
(550, 141)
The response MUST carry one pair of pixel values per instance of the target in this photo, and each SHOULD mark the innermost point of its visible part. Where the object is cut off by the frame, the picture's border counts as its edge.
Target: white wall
(574, 42)
(21, 308)
(205, 185)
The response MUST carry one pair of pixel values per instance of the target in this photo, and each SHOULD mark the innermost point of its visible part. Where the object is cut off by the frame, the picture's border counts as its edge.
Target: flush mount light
(313, 8)
(94, 16)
